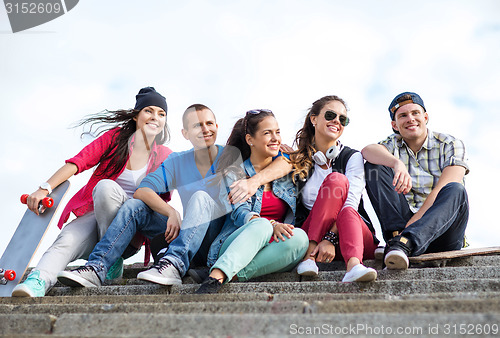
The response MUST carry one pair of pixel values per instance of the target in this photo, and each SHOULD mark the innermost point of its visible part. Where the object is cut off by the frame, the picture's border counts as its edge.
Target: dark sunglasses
(253, 112)
(258, 111)
(331, 115)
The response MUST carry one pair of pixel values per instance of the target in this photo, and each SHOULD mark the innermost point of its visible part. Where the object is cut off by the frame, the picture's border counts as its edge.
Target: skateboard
(442, 258)
(26, 239)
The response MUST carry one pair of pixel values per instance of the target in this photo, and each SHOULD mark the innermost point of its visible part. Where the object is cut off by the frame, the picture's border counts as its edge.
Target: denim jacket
(283, 188)
(241, 213)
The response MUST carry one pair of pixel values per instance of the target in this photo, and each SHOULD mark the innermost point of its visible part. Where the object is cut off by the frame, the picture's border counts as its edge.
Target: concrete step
(465, 305)
(245, 297)
(393, 287)
(328, 275)
(132, 270)
(256, 325)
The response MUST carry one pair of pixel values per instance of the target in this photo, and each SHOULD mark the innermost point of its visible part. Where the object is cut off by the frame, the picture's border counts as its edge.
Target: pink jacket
(82, 202)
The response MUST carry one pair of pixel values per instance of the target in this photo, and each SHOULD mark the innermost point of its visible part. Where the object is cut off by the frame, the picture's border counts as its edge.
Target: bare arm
(156, 203)
(450, 174)
(61, 175)
(242, 190)
(378, 154)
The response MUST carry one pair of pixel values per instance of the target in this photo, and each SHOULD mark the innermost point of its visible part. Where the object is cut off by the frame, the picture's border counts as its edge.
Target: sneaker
(379, 253)
(83, 276)
(307, 268)
(198, 275)
(210, 285)
(116, 270)
(162, 273)
(33, 286)
(396, 253)
(360, 273)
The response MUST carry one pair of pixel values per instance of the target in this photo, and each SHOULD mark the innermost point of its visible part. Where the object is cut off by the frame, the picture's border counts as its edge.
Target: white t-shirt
(129, 180)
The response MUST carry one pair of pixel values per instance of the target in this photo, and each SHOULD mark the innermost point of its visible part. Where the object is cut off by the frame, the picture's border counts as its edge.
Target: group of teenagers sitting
(253, 206)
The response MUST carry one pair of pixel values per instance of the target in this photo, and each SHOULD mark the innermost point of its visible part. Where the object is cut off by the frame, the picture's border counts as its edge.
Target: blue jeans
(202, 226)
(441, 228)
(134, 216)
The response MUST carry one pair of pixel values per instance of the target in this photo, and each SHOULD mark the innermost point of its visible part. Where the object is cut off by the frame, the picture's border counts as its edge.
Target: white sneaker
(163, 273)
(396, 260)
(307, 268)
(83, 276)
(360, 273)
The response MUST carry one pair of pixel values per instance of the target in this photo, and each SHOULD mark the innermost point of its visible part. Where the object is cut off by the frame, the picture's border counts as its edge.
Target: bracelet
(273, 222)
(331, 237)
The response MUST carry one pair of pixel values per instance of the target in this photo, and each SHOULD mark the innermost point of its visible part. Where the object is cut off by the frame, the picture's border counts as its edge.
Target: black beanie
(148, 96)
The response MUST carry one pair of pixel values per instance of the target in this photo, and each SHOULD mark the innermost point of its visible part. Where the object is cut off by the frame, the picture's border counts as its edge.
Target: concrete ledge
(392, 287)
(123, 299)
(369, 324)
(274, 307)
(438, 274)
(13, 324)
(291, 307)
(384, 287)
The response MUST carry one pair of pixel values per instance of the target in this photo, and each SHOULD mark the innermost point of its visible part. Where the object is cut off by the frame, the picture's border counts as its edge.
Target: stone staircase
(459, 299)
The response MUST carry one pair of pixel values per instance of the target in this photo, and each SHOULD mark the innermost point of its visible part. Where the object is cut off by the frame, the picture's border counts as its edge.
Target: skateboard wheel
(24, 198)
(48, 202)
(10, 275)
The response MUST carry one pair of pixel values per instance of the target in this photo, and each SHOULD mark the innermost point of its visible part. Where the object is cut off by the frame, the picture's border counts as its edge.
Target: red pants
(355, 238)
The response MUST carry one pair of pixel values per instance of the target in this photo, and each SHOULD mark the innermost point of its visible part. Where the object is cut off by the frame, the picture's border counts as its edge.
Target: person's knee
(300, 238)
(261, 227)
(455, 190)
(200, 198)
(455, 187)
(134, 205)
(335, 184)
(375, 172)
(104, 188)
(336, 178)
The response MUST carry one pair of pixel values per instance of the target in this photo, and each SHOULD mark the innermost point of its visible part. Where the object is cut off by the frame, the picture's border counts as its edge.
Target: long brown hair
(124, 119)
(237, 145)
(304, 139)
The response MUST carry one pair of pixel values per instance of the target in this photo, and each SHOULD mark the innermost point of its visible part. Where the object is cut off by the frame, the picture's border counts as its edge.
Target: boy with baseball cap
(415, 181)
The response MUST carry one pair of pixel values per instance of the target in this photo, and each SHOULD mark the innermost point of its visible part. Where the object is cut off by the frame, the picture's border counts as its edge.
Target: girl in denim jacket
(266, 240)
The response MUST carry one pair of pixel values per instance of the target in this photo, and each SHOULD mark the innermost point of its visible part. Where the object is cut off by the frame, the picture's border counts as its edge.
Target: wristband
(273, 222)
(331, 237)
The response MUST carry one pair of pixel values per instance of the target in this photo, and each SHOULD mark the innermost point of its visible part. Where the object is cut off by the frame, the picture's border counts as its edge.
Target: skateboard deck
(440, 258)
(26, 239)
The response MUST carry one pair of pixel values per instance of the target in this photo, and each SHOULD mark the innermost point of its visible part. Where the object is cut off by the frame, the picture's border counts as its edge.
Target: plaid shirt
(425, 167)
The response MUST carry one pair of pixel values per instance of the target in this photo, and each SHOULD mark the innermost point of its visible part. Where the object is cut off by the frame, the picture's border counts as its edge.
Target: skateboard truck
(6, 276)
(47, 202)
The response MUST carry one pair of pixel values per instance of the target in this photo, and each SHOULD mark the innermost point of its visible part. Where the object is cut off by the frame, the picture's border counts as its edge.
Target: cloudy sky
(238, 55)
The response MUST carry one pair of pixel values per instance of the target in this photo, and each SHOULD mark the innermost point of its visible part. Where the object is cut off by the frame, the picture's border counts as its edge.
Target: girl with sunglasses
(129, 145)
(266, 240)
(330, 182)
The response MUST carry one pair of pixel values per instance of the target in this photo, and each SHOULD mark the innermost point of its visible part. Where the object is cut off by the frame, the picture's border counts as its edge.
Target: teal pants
(247, 253)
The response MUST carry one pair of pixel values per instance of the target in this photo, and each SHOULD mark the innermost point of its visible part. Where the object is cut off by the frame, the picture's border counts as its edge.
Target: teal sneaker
(33, 286)
(116, 270)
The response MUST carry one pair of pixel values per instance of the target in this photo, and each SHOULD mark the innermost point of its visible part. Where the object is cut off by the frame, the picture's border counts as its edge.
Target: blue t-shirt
(179, 171)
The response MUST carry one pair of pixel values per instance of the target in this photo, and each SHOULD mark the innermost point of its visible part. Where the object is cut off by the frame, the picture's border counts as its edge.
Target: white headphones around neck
(331, 154)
